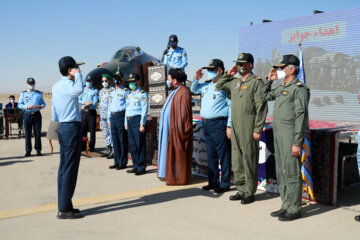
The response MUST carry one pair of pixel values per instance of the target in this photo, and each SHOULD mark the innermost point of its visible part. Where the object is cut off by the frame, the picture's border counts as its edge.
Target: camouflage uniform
(104, 95)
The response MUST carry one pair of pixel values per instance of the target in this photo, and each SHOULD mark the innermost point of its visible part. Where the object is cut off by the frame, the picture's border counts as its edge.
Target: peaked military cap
(215, 63)
(245, 57)
(133, 77)
(30, 80)
(288, 60)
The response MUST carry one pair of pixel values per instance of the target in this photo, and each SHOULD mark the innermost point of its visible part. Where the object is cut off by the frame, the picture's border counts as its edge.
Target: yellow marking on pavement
(93, 200)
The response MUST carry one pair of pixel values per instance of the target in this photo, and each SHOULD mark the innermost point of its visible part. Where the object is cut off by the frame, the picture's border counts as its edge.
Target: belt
(121, 112)
(214, 119)
(33, 113)
(136, 116)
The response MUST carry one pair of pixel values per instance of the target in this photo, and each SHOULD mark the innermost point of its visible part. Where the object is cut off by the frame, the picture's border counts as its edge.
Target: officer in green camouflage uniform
(248, 114)
(290, 117)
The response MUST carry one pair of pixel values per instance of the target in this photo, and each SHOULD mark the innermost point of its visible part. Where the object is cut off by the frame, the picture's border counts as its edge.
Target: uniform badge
(284, 93)
(244, 87)
(144, 99)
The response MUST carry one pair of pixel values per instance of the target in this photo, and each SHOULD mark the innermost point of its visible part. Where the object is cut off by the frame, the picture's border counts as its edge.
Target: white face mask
(105, 84)
(12, 100)
(31, 87)
(281, 74)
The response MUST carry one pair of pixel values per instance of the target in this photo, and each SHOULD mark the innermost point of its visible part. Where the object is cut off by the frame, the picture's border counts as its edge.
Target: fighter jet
(128, 60)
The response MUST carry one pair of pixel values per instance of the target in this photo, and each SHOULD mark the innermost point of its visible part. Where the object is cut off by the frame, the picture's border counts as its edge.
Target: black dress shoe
(357, 218)
(236, 197)
(69, 215)
(114, 166)
(208, 187)
(75, 210)
(27, 154)
(248, 200)
(119, 167)
(221, 190)
(104, 155)
(131, 171)
(278, 213)
(289, 217)
(39, 154)
(142, 172)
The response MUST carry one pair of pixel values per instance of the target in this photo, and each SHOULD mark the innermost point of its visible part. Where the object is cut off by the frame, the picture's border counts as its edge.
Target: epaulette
(299, 84)
(38, 91)
(24, 91)
(142, 91)
(236, 77)
(181, 48)
(258, 78)
(125, 89)
(209, 80)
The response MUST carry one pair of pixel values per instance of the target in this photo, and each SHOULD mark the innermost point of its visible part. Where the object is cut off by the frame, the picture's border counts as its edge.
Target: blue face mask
(168, 84)
(88, 84)
(132, 85)
(211, 75)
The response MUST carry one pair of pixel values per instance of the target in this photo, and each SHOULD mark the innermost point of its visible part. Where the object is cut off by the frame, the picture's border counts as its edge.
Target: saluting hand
(272, 75)
(199, 74)
(295, 150)
(232, 71)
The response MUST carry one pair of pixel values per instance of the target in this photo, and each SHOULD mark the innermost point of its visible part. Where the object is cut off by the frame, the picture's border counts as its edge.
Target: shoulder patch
(259, 78)
(125, 89)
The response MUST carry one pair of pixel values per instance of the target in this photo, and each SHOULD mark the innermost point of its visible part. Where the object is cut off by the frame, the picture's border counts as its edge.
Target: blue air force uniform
(88, 115)
(116, 116)
(104, 99)
(32, 117)
(176, 58)
(137, 103)
(216, 115)
(65, 109)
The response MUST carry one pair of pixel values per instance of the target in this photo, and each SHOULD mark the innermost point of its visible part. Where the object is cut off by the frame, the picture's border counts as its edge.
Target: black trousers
(32, 120)
(137, 143)
(119, 138)
(70, 152)
(218, 146)
(88, 124)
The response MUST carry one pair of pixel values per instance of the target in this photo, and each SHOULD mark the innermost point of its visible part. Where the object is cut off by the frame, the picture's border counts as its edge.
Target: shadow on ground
(13, 162)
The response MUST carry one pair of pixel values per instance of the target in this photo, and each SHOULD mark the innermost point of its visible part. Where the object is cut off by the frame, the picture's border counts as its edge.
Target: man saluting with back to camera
(65, 110)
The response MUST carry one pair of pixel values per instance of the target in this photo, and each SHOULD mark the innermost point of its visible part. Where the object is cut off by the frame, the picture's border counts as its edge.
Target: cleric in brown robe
(176, 132)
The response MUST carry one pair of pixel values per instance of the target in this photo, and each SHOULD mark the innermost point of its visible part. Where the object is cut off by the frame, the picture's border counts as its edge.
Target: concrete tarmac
(118, 205)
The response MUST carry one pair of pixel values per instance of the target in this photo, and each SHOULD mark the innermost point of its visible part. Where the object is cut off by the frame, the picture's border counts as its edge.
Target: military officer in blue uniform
(65, 110)
(137, 104)
(88, 101)
(216, 119)
(116, 121)
(104, 99)
(175, 56)
(31, 101)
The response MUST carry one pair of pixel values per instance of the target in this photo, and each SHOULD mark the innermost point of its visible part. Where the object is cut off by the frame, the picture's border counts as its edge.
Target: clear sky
(36, 34)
